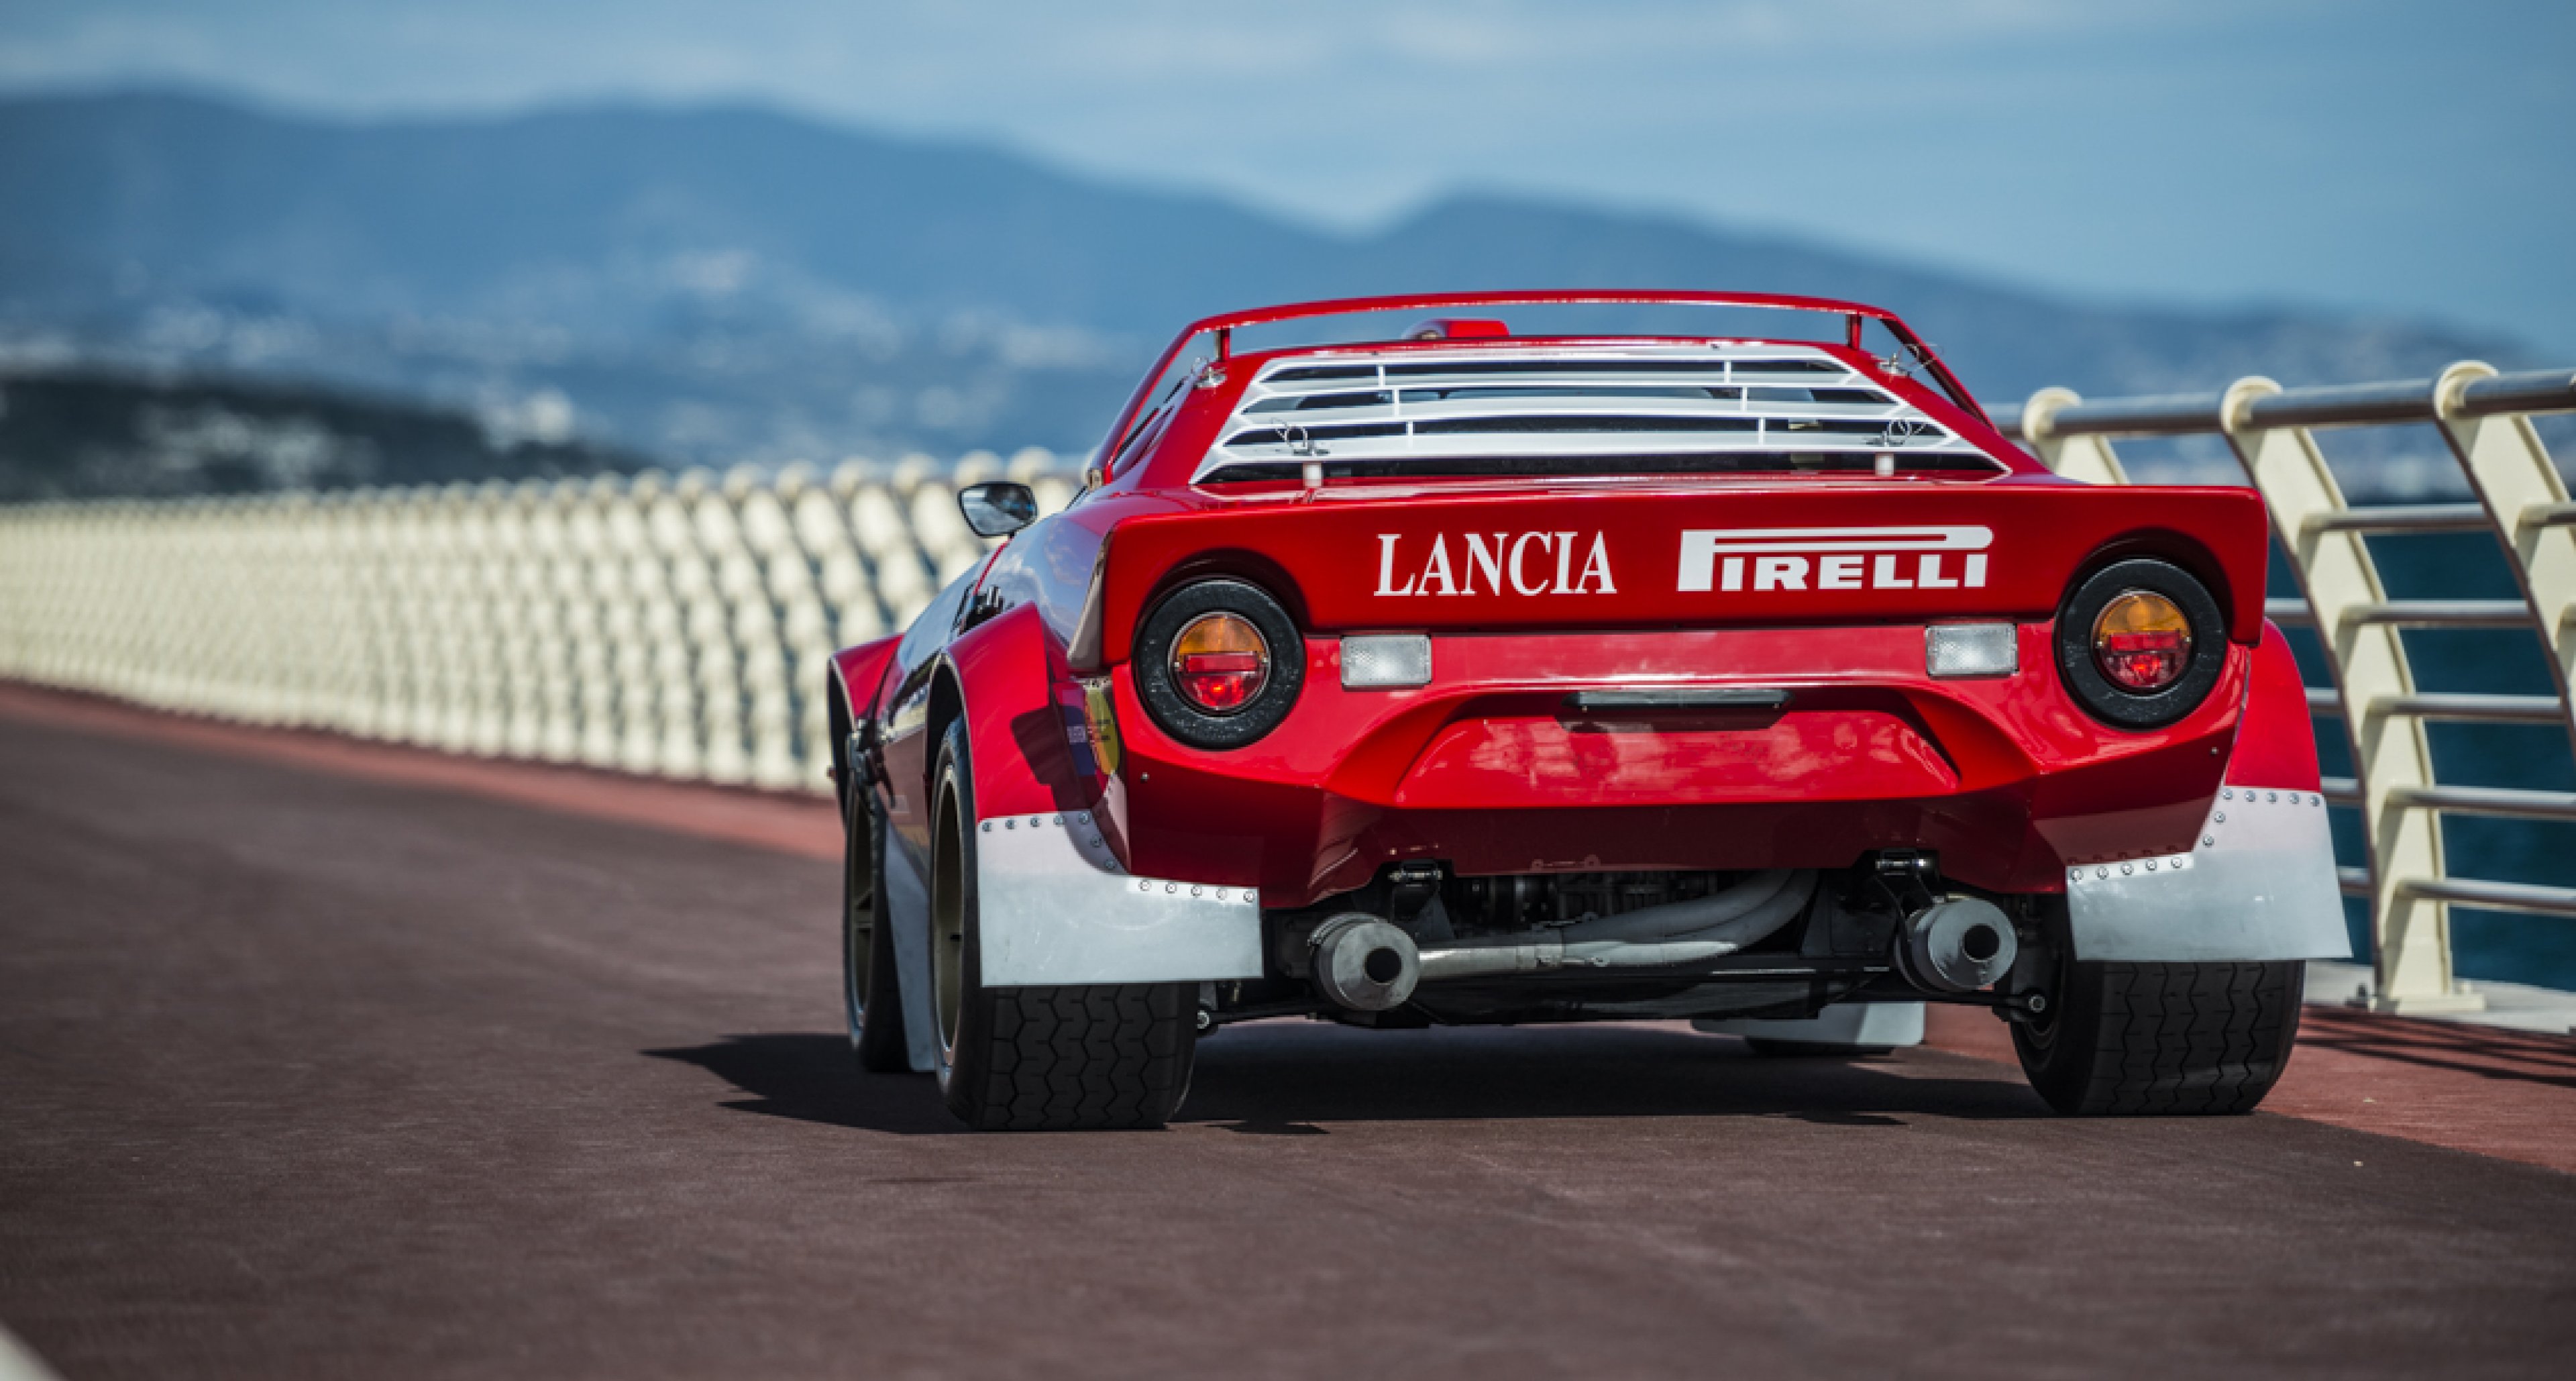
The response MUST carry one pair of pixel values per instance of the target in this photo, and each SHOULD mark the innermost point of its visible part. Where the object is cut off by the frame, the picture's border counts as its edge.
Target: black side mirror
(997, 509)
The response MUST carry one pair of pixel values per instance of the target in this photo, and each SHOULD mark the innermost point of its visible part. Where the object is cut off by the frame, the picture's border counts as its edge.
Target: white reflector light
(1386, 659)
(1971, 649)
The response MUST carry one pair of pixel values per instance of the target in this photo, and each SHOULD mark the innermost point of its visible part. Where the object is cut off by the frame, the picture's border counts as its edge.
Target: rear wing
(1219, 330)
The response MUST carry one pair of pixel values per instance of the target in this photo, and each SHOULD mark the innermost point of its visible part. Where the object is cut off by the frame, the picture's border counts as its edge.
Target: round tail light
(1220, 662)
(2142, 642)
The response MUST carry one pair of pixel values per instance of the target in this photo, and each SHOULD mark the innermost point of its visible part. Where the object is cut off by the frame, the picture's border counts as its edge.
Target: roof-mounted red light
(1458, 328)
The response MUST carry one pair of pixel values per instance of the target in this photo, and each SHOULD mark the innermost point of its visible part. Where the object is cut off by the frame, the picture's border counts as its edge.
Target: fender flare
(2259, 884)
(1023, 715)
(853, 678)
(1056, 906)
(2276, 740)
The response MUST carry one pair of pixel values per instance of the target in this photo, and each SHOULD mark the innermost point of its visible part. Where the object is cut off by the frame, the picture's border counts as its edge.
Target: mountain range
(712, 284)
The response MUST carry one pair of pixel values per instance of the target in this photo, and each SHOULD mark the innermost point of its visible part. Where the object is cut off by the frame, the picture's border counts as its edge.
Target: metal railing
(666, 626)
(2484, 417)
(680, 627)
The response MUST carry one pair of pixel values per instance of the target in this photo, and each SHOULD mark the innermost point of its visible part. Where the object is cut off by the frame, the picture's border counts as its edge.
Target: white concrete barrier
(673, 626)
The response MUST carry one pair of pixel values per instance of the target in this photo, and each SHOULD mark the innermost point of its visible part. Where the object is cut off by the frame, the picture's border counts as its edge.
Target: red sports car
(1471, 674)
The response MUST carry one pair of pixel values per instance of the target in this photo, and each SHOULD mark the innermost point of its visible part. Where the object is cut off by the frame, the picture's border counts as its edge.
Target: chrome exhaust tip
(1956, 945)
(1364, 963)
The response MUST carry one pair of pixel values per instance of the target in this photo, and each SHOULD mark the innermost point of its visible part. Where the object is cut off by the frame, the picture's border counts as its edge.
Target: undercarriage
(1423, 946)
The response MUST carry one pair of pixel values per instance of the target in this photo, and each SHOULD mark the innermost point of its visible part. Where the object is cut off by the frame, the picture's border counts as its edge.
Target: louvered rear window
(1580, 411)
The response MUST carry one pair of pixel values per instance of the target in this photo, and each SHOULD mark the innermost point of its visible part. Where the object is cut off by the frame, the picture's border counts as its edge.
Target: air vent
(1589, 412)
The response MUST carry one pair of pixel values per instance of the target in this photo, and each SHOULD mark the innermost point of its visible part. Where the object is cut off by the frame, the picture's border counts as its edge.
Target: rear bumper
(1489, 770)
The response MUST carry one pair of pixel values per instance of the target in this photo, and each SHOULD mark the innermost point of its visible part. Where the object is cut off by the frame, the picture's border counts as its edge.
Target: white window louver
(1582, 411)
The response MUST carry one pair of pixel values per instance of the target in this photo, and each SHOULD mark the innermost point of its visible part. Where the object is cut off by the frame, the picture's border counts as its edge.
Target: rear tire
(873, 1000)
(1039, 1059)
(2188, 1039)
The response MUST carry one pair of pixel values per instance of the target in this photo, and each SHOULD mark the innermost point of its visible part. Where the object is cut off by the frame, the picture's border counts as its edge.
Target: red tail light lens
(2142, 642)
(1219, 662)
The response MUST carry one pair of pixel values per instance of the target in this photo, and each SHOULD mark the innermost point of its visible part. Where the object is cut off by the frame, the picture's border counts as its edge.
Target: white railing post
(2083, 457)
(2526, 502)
(2411, 935)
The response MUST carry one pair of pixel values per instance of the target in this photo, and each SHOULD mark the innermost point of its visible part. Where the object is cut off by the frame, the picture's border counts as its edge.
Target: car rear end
(1649, 608)
(1733, 680)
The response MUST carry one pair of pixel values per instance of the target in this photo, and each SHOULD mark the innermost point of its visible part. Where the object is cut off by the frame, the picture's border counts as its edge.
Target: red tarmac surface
(2494, 1092)
(322, 1058)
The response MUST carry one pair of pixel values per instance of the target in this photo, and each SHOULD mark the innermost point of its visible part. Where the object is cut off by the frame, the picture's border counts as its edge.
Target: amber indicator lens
(2142, 642)
(1220, 663)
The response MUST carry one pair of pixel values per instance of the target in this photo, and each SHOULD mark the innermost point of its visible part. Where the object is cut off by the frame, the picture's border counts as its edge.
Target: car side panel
(1020, 705)
(1057, 906)
(2278, 745)
(904, 722)
(858, 673)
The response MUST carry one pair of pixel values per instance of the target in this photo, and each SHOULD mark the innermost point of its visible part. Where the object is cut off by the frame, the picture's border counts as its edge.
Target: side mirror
(997, 509)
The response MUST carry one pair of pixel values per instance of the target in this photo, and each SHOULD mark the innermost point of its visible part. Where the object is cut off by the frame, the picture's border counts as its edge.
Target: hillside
(83, 434)
(721, 283)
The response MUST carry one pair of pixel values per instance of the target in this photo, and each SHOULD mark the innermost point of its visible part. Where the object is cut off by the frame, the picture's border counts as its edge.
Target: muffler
(1364, 963)
(1956, 945)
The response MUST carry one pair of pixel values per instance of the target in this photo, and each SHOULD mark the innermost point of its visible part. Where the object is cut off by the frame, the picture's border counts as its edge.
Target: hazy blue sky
(2369, 154)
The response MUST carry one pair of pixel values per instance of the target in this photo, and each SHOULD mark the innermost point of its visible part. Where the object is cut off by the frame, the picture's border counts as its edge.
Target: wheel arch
(851, 682)
(1007, 681)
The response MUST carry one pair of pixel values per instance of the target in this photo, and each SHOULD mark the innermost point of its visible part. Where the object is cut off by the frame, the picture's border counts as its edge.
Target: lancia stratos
(1454, 672)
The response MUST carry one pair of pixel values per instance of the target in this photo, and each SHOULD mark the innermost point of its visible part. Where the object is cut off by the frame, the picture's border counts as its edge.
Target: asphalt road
(305, 1075)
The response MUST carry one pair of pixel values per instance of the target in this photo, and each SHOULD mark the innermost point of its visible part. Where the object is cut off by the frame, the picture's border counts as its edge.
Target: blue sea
(2488, 945)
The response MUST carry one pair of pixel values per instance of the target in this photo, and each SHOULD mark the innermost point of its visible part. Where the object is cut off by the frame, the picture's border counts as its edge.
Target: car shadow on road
(1285, 1078)
(813, 1077)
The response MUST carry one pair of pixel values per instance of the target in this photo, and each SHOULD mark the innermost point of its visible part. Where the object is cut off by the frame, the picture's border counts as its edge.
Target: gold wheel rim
(859, 911)
(948, 920)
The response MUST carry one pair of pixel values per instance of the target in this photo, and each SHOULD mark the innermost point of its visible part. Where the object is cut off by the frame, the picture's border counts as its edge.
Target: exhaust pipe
(1364, 963)
(1674, 935)
(1956, 945)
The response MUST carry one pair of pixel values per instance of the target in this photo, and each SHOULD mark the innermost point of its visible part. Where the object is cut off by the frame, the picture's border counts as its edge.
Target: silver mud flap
(2259, 884)
(1054, 908)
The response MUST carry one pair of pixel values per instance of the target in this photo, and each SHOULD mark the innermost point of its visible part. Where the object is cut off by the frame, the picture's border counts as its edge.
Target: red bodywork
(2009, 778)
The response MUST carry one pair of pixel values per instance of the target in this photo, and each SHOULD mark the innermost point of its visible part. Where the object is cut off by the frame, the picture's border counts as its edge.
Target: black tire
(2163, 1039)
(1039, 1059)
(1772, 1049)
(872, 998)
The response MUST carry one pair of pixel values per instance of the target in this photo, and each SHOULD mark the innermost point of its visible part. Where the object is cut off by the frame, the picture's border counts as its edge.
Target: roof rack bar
(1607, 297)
